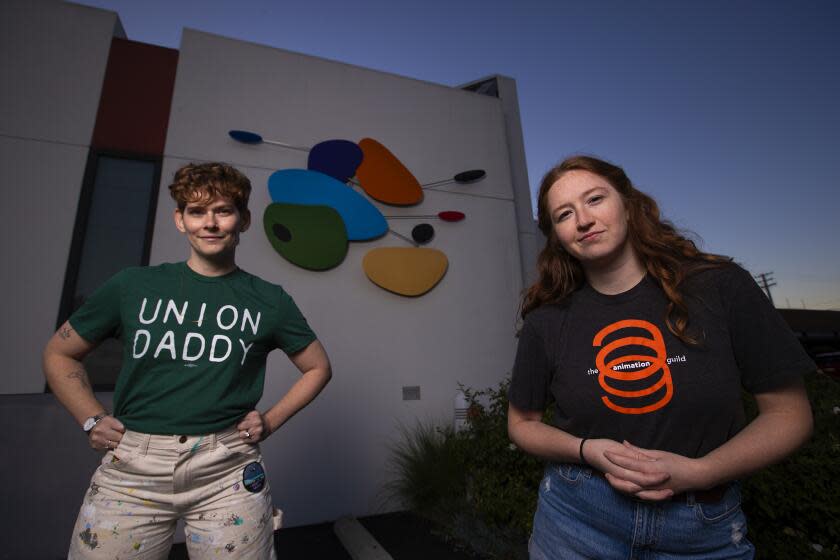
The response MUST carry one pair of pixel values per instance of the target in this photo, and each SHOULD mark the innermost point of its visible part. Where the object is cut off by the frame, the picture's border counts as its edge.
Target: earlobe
(179, 221)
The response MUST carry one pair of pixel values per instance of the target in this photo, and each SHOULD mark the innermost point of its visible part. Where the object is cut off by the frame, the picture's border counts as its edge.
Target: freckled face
(212, 229)
(589, 217)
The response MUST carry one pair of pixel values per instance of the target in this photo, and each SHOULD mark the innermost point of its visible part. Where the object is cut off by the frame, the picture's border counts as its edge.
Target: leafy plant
(502, 480)
(793, 508)
(429, 476)
(477, 486)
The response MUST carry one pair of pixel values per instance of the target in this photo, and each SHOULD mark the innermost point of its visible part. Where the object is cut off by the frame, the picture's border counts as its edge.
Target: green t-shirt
(194, 347)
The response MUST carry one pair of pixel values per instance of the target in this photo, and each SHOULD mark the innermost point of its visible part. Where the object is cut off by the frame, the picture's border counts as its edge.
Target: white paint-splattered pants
(215, 483)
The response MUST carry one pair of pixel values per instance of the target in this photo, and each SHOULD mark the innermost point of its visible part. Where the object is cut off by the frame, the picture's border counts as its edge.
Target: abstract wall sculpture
(315, 213)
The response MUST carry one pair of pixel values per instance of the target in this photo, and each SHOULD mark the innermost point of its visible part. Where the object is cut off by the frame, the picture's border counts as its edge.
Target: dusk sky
(726, 112)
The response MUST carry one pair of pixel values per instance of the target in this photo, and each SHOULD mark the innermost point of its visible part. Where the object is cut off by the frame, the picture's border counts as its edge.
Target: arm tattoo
(81, 376)
(64, 332)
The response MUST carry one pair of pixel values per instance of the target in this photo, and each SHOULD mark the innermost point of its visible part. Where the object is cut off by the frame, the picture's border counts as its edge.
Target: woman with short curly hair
(183, 439)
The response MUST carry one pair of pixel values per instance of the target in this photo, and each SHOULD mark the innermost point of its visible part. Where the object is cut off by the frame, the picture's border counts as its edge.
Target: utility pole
(765, 280)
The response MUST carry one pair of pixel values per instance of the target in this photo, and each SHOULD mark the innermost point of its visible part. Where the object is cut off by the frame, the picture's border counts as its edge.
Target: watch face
(89, 424)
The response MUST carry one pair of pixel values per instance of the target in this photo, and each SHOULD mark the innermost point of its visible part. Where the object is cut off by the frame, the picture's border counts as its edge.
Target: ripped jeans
(215, 482)
(579, 515)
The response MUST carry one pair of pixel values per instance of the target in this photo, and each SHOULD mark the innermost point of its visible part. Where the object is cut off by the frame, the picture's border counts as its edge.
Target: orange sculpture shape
(384, 178)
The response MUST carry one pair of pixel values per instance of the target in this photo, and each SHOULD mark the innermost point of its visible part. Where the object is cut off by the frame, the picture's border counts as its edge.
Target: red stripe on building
(136, 98)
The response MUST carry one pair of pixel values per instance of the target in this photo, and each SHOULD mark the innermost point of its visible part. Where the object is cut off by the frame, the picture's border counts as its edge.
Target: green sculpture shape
(309, 236)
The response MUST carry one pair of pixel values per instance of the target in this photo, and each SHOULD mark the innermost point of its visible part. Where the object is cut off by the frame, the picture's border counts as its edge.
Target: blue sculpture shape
(301, 186)
(336, 158)
(245, 137)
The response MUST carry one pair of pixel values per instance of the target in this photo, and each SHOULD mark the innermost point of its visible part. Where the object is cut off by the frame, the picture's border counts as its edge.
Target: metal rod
(404, 238)
(438, 183)
(430, 216)
(276, 143)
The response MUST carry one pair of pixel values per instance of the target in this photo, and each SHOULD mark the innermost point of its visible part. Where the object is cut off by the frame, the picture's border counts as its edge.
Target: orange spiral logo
(657, 363)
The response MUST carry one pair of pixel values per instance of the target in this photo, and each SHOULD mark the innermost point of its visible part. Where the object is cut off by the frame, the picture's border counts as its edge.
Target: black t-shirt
(658, 392)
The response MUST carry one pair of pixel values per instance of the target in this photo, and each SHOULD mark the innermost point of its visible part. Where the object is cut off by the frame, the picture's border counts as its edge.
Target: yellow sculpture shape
(407, 271)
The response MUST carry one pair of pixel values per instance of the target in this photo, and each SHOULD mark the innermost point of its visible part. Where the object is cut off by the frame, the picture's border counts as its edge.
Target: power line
(765, 280)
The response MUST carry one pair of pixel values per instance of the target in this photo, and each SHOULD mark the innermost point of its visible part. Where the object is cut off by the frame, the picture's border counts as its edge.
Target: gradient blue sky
(727, 112)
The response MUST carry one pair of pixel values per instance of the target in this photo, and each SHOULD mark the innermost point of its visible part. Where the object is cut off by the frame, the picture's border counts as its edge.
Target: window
(113, 230)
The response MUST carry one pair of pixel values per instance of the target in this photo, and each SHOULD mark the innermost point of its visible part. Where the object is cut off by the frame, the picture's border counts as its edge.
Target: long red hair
(667, 255)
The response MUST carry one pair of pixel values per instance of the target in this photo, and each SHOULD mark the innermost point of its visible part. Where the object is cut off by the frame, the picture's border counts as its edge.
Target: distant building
(818, 331)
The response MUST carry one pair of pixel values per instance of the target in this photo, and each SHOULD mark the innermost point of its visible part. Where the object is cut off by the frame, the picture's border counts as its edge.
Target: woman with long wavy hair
(644, 343)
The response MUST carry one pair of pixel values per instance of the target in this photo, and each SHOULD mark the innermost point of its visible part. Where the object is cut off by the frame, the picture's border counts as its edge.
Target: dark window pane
(117, 222)
(115, 236)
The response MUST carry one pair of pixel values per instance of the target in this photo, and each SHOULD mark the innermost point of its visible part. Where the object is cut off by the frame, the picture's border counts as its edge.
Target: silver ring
(247, 434)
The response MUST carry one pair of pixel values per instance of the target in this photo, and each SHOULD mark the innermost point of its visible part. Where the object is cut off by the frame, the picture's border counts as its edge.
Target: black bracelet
(580, 452)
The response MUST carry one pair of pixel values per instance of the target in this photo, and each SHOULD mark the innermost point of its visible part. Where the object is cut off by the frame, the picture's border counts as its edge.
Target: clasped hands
(646, 474)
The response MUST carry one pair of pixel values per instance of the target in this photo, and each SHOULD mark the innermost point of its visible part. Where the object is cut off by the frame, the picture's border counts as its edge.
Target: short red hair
(202, 182)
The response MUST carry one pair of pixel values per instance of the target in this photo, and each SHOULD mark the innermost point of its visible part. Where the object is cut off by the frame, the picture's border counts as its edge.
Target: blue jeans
(579, 515)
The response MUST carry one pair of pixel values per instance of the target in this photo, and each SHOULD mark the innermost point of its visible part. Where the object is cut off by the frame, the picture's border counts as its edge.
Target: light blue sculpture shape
(302, 186)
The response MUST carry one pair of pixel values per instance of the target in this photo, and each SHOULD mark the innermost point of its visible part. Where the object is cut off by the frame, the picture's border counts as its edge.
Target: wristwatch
(92, 421)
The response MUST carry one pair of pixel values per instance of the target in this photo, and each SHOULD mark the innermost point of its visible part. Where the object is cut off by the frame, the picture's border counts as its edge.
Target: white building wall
(530, 238)
(331, 460)
(52, 65)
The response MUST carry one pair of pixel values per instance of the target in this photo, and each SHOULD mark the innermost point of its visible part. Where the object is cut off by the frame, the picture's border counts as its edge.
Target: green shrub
(429, 478)
(482, 490)
(479, 489)
(795, 504)
(502, 480)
